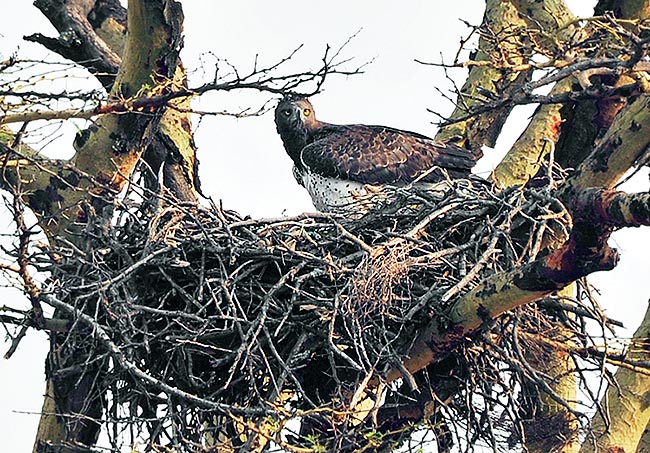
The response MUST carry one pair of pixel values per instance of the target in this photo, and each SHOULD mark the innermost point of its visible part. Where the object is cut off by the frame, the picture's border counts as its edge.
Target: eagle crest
(342, 164)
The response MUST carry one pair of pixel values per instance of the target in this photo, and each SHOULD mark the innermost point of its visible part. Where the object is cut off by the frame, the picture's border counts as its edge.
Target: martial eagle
(340, 164)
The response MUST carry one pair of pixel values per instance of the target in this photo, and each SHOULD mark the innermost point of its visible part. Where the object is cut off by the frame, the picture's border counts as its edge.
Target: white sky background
(243, 161)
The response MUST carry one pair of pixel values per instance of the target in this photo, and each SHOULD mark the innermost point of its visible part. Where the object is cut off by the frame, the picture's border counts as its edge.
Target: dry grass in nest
(378, 282)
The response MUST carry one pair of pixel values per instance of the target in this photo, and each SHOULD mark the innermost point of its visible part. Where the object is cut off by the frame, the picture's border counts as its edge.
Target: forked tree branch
(111, 148)
(79, 39)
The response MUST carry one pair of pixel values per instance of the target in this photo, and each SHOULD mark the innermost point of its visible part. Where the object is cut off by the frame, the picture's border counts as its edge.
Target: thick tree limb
(524, 161)
(99, 29)
(526, 156)
(586, 120)
(30, 176)
(111, 148)
(625, 9)
(502, 39)
(78, 40)
(644, 443)
(549, 425)
(624, 144)
(626, 433)
(553, 22)
(628, 403)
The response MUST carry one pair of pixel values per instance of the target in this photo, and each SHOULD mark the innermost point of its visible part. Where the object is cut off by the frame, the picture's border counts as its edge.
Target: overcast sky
(242, 160)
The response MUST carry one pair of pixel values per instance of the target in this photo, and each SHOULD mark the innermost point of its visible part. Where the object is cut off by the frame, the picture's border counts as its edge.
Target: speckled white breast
(336, 195)
(350, 197)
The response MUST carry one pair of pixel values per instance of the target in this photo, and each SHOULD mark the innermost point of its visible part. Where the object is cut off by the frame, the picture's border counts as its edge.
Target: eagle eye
(286, 113)
(306, 112)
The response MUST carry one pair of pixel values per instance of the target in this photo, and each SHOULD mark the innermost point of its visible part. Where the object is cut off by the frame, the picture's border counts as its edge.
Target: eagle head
(294, 120)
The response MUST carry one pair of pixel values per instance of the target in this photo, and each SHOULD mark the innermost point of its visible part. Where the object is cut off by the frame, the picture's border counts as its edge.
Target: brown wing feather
(381, 155)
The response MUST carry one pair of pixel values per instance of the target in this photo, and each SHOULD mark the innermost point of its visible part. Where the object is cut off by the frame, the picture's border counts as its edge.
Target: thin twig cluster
(605, 57)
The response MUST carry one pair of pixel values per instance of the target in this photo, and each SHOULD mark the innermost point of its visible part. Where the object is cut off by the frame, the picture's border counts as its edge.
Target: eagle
(340, 165)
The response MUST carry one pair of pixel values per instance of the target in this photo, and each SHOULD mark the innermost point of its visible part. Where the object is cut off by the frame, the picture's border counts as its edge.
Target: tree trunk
(109, 151)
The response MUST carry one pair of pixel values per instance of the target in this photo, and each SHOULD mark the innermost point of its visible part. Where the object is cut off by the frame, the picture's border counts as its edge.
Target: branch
(100, 334)
(553, 20)
(111, 148)
(628, 414)
(79, 39)
(526, 155)
(562, 114)
(587, 120)
(525, 95)
(624, 144)
(109, 151)
(257, 80)
(501, 41)
(598, 213)
(83, 38)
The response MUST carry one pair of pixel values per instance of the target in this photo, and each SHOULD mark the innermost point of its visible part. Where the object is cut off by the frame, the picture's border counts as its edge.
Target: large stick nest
(196, 319)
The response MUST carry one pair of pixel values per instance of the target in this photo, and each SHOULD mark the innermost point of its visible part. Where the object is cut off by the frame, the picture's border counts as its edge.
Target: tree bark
(621, 425)
(549, 425)
(504, 48)
(620, 148)
(108, 151)
(69, 195)
(99, 29)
